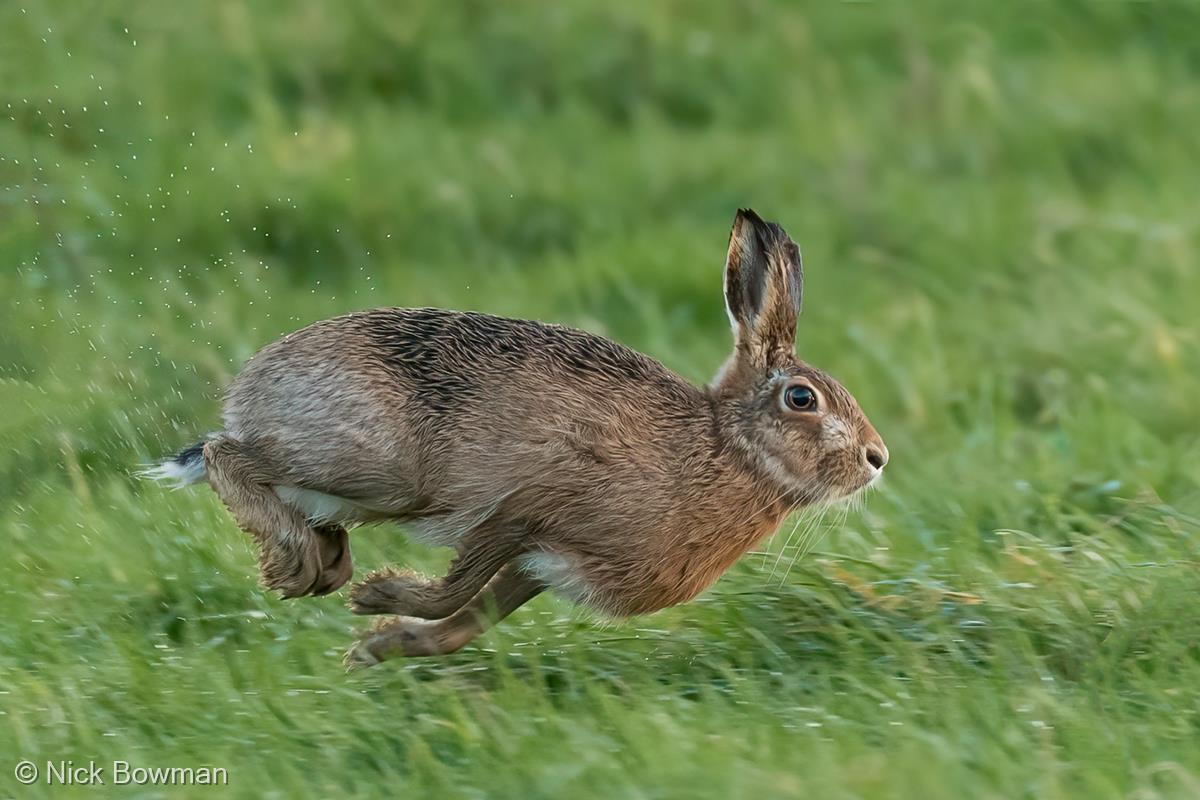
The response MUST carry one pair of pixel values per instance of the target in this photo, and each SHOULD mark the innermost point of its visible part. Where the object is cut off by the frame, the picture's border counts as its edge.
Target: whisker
(800, 518)
(812, 525)
(811, 535)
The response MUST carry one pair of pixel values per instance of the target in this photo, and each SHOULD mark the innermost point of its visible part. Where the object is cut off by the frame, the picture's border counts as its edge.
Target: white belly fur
(319, 507)
(557, 572)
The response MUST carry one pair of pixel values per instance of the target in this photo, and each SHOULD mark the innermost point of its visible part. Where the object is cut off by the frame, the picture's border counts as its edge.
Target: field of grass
(998, 210)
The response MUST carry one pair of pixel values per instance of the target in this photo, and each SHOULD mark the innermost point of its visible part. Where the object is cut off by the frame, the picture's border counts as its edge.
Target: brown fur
(547, 456)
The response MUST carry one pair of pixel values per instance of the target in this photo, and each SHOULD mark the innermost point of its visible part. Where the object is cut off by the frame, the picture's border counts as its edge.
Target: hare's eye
(800, 398)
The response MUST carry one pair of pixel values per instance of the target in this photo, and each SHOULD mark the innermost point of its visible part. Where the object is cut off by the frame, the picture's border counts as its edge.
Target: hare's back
(448, 359)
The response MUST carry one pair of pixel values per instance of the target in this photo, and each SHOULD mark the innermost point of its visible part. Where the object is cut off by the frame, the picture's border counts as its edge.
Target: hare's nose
(876, 455)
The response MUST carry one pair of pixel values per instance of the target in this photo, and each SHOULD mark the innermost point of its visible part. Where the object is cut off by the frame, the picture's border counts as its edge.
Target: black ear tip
(749, 215)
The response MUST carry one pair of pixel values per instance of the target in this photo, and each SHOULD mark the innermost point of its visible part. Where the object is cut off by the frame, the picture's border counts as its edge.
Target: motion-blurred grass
(998, 210)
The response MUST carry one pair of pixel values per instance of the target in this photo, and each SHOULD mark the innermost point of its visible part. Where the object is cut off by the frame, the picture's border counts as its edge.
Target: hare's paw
(310, 562)
(289, 569)
(390, 592)
(358, 657)
(392, 638)
(337, 566)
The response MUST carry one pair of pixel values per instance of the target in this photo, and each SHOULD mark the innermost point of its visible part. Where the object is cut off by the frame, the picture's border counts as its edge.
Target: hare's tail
(182, 469)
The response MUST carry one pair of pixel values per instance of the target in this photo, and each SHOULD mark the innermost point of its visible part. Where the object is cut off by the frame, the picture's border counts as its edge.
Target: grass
(997, 210)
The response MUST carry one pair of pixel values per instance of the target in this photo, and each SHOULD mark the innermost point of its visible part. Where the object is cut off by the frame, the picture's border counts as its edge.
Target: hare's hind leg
(294, 557)
(504, 594)
(482, 553)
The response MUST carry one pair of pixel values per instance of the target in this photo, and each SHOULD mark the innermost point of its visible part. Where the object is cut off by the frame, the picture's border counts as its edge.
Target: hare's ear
(764, 284)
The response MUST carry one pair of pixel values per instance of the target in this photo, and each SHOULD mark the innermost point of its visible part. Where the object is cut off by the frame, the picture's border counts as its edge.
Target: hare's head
(796, 423)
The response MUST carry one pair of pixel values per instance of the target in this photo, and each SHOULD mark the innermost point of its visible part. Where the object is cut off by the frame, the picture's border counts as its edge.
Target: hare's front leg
(482, 552)
(294, 557)
(510, 589)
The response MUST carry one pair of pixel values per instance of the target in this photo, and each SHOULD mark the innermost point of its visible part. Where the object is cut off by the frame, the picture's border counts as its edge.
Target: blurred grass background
(997, 207)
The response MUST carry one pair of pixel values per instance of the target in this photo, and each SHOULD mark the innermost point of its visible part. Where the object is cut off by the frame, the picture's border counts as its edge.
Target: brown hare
(546, 456)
